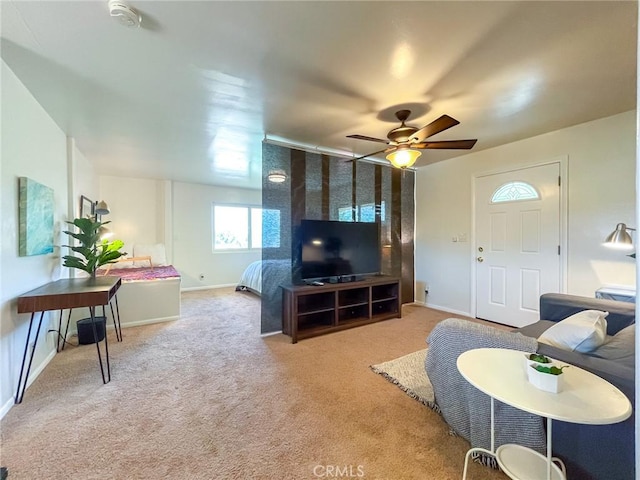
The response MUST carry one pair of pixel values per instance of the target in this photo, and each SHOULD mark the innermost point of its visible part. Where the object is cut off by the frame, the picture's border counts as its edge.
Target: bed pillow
(621, 347)
(582, 332)
(155, 251)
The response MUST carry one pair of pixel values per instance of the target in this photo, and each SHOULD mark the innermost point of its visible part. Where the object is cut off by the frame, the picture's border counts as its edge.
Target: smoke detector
(124, 14)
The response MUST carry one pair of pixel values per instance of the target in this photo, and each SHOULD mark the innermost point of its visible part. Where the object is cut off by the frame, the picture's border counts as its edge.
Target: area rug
(408, 373)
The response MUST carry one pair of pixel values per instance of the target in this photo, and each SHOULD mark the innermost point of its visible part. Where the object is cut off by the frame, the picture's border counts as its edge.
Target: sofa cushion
(582, 332)
(558, 306)
(536, 329)
(620, 347)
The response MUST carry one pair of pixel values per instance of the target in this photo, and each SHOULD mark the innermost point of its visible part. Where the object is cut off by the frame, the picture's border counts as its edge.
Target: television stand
(312, 310)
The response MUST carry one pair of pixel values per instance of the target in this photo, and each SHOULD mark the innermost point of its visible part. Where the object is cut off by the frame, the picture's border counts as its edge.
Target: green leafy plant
(96, 251)
(551, 370)
(537, 357)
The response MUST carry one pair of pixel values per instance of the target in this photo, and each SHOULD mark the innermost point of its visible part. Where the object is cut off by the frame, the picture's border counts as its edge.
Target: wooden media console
(310, 310)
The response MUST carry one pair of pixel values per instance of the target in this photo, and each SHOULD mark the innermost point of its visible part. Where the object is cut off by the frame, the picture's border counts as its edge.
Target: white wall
(83, 178)
(32, 146)
(601, 193)
(193, 237)
(137, 208)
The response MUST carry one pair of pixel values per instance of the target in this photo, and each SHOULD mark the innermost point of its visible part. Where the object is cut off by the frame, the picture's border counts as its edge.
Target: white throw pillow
(582, 332)
(156, 252)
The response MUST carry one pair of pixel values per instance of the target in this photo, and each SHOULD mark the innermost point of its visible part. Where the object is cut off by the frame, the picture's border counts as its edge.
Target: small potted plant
(537, 358)
(545, 375)
(95, 250)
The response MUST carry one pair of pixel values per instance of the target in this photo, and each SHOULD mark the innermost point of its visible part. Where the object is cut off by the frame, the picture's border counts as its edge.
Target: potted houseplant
(543, 374)
(94, 250)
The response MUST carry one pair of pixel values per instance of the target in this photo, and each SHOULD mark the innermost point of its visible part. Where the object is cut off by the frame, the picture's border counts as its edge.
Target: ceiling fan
(405, 141)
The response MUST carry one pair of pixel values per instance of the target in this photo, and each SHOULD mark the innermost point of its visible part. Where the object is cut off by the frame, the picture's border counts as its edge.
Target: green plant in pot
(553, 370)
(94, 250)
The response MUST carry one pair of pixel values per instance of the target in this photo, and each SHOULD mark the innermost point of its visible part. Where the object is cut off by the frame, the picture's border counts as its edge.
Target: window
(515, 191)
(345, 214)
(237, 227)
(363, 213)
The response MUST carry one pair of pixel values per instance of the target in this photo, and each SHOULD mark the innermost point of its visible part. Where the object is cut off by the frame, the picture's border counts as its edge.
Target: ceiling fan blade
(437, 126)
(453, 144)
(364, 137)
(386, 150)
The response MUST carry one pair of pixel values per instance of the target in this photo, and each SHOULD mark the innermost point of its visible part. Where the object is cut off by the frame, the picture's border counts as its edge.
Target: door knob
(480, 259)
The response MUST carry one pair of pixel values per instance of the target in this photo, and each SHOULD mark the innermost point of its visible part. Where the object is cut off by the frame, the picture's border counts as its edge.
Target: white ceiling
(191, 94)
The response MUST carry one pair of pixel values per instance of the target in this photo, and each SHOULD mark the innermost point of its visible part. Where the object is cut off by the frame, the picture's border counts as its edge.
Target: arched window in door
(514, 192)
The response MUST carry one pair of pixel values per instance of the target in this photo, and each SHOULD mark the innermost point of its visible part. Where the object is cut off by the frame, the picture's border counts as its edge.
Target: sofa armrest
(558, 306)
(465, 408)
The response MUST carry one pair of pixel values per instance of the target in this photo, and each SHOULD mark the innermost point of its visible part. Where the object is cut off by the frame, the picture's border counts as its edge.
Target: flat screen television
(337, 249)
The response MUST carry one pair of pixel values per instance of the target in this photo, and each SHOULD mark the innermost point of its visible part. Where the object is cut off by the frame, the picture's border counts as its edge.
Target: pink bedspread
(144, 274)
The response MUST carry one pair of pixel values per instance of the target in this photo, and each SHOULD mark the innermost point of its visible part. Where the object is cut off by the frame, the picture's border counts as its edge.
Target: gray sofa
(591, 452)
(602, 452)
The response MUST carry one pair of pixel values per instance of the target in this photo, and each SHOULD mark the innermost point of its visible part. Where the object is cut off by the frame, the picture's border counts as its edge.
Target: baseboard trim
(269, 334)
(444, 309)
(6, 407)
(137, 323)
(148, 321)
(208, 287)
(32, 377)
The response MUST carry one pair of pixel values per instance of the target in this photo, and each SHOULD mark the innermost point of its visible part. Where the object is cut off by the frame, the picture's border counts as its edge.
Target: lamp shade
(403, 157)
(104, 233)
(620, 238)
(277, 176)
(102, 208)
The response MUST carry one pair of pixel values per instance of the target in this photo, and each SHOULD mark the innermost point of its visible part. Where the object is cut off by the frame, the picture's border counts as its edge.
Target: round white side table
(584, 398)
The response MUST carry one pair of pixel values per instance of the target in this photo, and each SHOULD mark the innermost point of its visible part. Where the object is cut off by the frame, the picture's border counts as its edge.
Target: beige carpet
(206, 397)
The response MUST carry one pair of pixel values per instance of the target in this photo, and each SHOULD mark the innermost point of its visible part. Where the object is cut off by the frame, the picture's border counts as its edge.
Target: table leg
(550, 457)
(59, 333)
(116, 325)
(66, 330)
(482, 450)
(92, 311)
(118, 315)
(23, 386)
(106, 348)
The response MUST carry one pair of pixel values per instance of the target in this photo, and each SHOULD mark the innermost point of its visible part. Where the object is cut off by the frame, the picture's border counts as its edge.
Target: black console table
(68, 294)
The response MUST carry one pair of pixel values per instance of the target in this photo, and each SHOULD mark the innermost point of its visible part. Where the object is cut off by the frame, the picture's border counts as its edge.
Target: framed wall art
(86, 207)
(35, 218)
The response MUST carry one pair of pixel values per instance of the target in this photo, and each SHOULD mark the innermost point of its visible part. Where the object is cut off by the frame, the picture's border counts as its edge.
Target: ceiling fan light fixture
(403, 157)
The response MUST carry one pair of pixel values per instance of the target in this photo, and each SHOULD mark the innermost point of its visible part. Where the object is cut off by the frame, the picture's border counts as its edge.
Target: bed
(148, 294)
(275, 272)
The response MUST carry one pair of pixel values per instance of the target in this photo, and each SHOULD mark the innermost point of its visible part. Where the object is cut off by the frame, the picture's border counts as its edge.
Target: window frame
(528, 186)
(250, 208)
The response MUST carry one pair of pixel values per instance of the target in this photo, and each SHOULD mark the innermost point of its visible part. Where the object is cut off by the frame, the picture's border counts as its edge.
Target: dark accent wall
(323, 187)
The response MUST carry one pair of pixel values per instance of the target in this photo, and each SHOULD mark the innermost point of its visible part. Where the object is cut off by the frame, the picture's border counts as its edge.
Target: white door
(517, 246)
